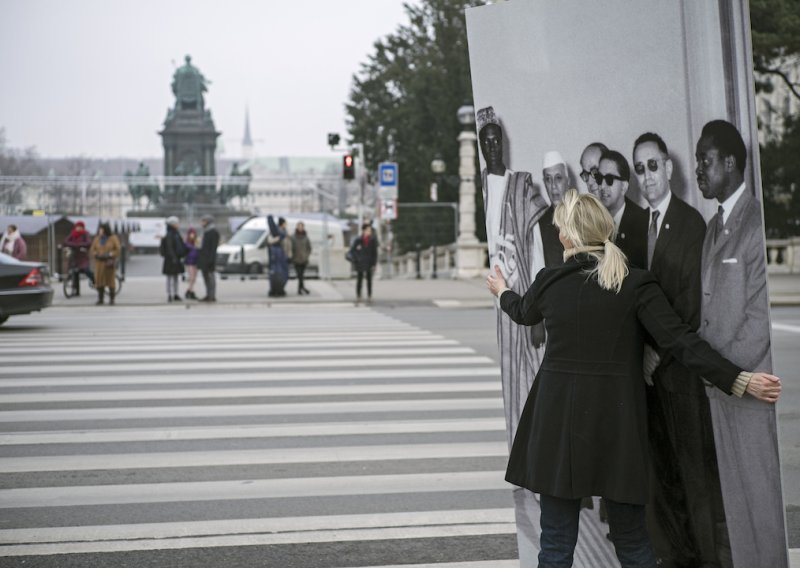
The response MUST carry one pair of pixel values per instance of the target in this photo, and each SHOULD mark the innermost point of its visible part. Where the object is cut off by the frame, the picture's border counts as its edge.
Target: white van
(246, 251)
(148, 238)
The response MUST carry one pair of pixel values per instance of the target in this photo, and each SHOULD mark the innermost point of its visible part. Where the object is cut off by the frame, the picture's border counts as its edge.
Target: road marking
(57, 369)
(216, 354)
(311, 408)
(170, 530)
(87, 462)
(238, 489)
(263, 376)
(248, 431)
(301, 537)
(252, 392)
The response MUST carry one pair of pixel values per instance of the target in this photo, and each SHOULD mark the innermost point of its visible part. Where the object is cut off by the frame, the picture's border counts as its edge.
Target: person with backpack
(173, 250)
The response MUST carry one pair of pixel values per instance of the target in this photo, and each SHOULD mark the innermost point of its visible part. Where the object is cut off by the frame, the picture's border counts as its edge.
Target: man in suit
(612, 180)
(735, 321)
(513, 211)
(686, 488)
(556, 183)
(590, 162)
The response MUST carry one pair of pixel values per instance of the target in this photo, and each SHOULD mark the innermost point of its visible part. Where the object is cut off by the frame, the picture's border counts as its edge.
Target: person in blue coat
(279, 251)
(583, 431)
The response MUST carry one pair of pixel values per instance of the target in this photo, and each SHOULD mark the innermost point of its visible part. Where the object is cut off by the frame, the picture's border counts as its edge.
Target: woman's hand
(764, 387)
(495, 282)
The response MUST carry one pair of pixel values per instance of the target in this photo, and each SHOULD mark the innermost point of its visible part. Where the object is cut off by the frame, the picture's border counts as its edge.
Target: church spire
(247, 141)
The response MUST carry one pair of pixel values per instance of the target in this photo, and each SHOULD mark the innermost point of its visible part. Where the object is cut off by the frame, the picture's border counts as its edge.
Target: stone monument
(189, 138)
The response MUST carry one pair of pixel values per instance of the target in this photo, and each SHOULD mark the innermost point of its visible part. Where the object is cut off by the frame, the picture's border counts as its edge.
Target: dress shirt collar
(730, 203)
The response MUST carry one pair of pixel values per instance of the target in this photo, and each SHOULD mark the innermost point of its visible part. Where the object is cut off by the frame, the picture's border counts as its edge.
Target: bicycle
(72, 285)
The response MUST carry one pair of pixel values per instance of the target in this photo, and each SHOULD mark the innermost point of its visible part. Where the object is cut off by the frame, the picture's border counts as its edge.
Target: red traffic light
(349, 171)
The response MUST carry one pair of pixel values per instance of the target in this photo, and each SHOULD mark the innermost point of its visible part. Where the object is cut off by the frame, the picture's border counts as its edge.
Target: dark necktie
(652, 235)
(720, 223)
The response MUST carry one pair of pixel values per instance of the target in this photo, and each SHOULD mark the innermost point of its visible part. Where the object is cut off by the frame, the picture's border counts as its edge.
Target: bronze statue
(188, 86)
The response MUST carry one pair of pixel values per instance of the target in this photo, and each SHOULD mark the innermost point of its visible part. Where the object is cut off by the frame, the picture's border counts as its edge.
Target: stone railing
(433, 262)
(783, 255)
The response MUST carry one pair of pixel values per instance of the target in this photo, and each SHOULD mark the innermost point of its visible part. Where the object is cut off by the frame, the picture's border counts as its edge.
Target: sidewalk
(444, 293)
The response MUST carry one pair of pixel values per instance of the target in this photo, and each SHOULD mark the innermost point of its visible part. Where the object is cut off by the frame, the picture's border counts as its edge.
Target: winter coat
(192, 252)
(75, 242)
(583, 431)
(301, 248)
(364, 256)
(173, 251)
(106, 256)
(278, 256)
(207, 258)
(14, 245)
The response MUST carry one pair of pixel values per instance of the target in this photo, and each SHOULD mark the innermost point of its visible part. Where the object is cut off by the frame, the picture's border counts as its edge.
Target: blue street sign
(387, 174)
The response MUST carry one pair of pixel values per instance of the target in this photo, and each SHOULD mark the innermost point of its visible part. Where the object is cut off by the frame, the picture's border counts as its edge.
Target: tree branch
(792, 86)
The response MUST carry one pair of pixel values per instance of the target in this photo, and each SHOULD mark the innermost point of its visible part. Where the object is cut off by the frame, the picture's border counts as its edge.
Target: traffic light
(349, 171)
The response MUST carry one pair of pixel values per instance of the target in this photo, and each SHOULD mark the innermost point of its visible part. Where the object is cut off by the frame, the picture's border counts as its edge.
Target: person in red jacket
(79, 241)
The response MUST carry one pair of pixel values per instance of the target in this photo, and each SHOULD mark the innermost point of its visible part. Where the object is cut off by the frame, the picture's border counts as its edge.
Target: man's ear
(668, 167)
(730, 163)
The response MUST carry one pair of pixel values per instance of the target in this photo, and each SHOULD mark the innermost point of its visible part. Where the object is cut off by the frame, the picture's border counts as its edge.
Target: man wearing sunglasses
(590, 160)
(514, 208)
(735, 321)
(686, 488)
(612, 180)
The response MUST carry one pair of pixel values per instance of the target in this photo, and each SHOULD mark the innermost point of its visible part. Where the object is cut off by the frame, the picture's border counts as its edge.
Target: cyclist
(79, 242)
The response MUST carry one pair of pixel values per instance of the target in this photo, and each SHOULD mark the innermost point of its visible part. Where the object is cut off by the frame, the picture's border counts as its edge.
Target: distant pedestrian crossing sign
(388, 180)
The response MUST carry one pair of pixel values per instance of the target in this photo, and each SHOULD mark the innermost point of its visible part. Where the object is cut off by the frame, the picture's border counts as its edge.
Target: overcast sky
(93, 76)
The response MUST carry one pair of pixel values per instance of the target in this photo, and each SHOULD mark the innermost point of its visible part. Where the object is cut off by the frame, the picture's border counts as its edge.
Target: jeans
(210, 280)
(361, 274)
(559, 522)
(300, 269)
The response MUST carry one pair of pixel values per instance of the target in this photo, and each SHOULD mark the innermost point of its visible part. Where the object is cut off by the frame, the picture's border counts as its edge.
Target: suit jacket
(632, 234)
(735, 306)
(584, 427)
(553, 249)
(735, 320)
(676, 265)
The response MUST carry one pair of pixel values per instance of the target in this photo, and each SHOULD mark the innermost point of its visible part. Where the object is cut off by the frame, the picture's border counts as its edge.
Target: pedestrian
(105, 251)
(13, 244)
(78, 242)
(173, 251)
(301, 250)
(190, 260)
(583, 430)
(363, 254)
(207, 257)
(280, 249)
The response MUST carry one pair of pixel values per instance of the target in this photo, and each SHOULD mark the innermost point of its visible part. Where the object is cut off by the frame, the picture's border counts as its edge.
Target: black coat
(583, 430)
(553, 249)
(632, 234)
(676, 265)
(173, 250)
(207, 257)
(364, 257)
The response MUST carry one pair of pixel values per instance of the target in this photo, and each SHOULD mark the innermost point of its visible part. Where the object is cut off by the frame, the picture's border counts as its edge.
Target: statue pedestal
(470, 259)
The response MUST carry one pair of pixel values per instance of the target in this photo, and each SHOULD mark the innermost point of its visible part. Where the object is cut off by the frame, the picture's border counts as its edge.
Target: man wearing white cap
(556, 182)
(513, 209)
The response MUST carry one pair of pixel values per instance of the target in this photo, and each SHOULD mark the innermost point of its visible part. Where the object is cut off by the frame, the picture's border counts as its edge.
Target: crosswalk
(242, 436)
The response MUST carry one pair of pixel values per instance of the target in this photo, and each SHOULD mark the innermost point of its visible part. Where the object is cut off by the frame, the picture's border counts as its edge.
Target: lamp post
(470, 251)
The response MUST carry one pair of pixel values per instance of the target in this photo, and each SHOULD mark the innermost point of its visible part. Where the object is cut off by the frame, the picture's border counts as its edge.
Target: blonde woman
(583, 431)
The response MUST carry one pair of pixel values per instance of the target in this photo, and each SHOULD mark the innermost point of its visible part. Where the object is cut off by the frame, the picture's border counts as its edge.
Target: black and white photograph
(651, 111)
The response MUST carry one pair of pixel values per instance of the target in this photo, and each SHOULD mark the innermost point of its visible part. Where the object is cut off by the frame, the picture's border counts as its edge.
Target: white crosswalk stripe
(295, 426)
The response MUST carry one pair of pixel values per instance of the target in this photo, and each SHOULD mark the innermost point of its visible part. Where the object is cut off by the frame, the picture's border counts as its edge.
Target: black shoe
(306, 292)
(207, 299)
(169, 299)
(177, 298)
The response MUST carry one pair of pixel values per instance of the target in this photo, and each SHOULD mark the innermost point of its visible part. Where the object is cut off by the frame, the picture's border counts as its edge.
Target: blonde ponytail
(587, 223)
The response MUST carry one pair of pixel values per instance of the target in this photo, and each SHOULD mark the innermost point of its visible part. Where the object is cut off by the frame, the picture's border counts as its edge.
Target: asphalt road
(296, 436)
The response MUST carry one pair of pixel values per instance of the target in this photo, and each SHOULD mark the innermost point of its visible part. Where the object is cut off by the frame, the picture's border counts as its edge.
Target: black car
(24, 287)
